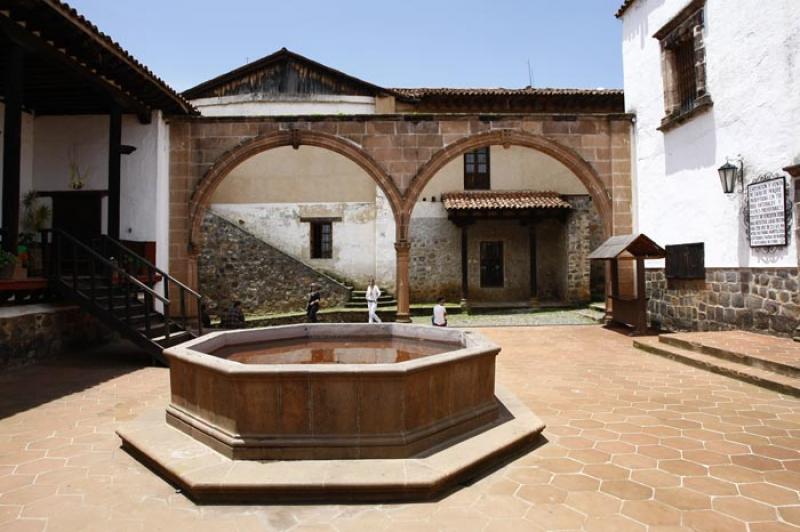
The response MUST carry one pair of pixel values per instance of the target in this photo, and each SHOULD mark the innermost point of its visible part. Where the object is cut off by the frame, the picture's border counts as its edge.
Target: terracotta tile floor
(635, 442)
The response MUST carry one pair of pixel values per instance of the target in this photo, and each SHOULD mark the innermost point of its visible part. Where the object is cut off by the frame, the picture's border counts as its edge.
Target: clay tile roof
(624, 7)
(511, 199)
(178, 103)
(527, 91)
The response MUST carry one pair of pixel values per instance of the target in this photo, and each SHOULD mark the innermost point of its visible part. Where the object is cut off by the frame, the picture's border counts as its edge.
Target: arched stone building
(488, 194)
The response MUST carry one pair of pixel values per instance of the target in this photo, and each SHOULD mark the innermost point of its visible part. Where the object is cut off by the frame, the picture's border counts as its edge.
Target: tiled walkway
(769, 348)
(636, 442)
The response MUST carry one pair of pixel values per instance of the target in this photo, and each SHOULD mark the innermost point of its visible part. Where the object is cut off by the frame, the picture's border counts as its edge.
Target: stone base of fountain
(207, 476)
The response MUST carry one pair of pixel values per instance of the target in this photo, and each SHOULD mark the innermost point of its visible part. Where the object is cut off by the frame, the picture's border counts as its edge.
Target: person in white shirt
(373, 293)
(439, 318)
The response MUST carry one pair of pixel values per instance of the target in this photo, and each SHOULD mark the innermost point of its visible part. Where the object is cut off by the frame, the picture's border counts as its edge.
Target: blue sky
(409, 43)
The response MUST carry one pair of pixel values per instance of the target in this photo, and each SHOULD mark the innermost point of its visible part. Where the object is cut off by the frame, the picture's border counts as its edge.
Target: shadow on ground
(28, 387)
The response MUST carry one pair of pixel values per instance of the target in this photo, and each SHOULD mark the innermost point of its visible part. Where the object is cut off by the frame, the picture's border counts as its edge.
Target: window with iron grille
(686, 261)
(476, 170)
(491, 264)
(321, 240)
(683, 59)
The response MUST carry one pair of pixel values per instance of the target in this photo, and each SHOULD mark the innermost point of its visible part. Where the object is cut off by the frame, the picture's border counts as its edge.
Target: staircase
(117, 286)
(358, 299)
(759, 359)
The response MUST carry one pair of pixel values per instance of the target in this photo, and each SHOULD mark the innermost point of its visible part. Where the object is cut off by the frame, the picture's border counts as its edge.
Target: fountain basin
(362, 396)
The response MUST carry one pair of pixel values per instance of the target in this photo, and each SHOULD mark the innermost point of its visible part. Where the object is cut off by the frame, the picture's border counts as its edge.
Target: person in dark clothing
(204, 316)
(234, 317)
(313, 303)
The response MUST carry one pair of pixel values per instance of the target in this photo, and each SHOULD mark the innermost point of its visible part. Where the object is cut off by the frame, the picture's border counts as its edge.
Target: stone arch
(506, 137)
(296, 137)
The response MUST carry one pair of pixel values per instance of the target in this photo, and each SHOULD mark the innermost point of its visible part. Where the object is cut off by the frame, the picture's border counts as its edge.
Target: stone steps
(732, 354)
(735, 368)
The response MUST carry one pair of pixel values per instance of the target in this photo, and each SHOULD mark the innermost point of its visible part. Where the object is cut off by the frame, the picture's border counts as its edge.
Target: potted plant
(77, 178)
(7, 263)
(35, 218)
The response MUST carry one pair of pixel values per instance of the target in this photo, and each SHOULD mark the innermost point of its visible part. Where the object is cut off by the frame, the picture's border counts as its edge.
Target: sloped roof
(638, 245)
(282, 55)
(491, 199)
(54, 32)
(527, 91)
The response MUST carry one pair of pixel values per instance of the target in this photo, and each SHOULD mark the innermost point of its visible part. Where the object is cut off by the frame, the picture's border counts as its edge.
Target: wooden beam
(18, 32)
(13, 83)
(114, 171)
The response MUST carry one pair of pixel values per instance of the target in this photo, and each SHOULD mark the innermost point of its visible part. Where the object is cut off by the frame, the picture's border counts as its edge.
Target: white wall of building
(271, 194)
(85, 139)
(257, 105)
(753, 78)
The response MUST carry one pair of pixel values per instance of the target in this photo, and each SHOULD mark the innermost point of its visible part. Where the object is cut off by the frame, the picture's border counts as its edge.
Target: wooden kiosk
(627, 300)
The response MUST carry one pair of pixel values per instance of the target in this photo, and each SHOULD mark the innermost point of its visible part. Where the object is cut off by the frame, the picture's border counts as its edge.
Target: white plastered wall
(271, 194)
(85, 139)
(258, 105)
(753, 77)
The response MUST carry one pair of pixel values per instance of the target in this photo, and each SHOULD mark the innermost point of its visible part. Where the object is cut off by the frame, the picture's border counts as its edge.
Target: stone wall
(758, 299)
(234, 264)
(30, 333)
(434, 265)
(584, 234)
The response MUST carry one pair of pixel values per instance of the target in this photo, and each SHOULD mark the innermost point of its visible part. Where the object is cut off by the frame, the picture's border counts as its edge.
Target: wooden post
(114, 170)
(13, 79)
(641, 298)
(464, 265)
(534, 280)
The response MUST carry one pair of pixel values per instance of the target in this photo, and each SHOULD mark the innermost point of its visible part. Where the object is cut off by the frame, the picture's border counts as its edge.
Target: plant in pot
(7, 263)
(35, 218)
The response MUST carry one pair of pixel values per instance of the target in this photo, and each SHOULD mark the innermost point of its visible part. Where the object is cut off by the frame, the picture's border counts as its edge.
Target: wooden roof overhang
(628, 247)
(70, 67)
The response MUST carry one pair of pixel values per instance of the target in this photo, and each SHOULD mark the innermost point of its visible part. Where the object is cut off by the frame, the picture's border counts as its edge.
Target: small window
(683, 59)
(491, 264)
(476, 169)
(686, 261)
(321, 240)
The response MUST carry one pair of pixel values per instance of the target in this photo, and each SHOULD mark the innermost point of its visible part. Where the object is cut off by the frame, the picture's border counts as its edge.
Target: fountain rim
(472, 344)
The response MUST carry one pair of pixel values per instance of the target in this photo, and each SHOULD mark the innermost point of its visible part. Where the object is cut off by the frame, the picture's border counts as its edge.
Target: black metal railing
(138, 266)
(101, 282)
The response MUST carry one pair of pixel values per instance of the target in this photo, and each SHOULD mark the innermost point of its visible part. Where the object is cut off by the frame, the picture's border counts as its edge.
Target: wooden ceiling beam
(18, 32)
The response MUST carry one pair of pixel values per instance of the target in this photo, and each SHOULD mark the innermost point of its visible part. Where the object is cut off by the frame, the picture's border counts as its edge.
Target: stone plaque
(766, 202)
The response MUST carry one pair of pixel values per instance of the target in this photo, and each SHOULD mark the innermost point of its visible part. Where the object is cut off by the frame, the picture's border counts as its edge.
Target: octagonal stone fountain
(330, 411)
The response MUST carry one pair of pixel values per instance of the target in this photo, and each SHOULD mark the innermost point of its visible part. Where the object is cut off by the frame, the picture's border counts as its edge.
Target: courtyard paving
(634, 442)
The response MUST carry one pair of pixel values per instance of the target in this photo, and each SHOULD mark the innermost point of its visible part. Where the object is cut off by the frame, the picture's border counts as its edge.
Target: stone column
(464, 266)
(402, 249)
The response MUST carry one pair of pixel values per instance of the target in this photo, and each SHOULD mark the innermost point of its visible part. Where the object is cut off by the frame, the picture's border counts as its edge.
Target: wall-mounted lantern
(729, 174)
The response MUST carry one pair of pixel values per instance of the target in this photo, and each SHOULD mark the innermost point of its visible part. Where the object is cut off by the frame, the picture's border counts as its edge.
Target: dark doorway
(492, 264)
(78, 213)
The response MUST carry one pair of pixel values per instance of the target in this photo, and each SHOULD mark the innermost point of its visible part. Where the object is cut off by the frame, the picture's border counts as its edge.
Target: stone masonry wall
(32, 333)
(434, 265)
(758, 299)
(584, 233)
(234, 264)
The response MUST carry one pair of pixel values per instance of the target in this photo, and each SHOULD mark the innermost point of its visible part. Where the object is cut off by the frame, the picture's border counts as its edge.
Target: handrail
(74, 241)
(149, 264)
